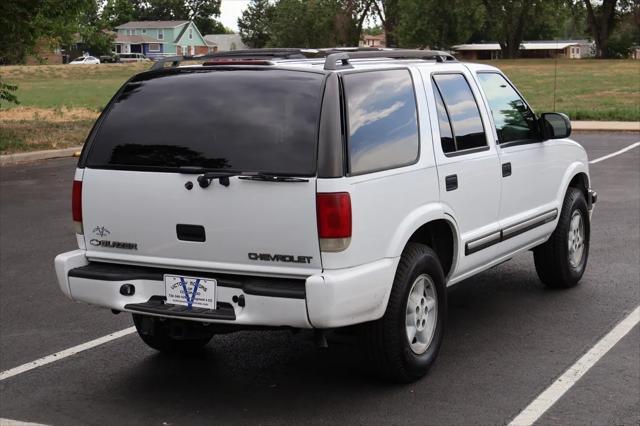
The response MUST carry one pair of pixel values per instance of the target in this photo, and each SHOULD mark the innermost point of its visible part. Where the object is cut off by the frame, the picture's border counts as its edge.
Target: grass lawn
(72, 86)
(58, 103)
(586, 89)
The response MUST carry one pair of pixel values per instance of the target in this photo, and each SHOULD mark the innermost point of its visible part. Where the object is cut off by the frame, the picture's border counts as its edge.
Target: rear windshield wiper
(205, 178)
(270, 177)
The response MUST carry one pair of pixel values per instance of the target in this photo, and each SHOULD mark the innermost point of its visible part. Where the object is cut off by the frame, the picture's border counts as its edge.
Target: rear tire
(562, 260)
(164, 336)
(417, 307)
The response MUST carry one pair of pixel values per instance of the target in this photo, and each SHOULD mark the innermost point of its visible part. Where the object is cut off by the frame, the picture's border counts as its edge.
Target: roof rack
(333, 55)
(245, 54)
(340, 60)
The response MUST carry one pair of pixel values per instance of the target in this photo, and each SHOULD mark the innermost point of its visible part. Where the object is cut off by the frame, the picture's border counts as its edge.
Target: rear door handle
(451, 182)
(506, 169)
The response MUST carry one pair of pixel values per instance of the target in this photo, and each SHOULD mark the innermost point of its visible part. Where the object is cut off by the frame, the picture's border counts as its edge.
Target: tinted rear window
(236, 120)
(383, 124)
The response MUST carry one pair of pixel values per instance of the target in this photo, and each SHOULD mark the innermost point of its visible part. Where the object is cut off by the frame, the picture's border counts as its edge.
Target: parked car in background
(132, 57)
(85, 60)
(111, 58)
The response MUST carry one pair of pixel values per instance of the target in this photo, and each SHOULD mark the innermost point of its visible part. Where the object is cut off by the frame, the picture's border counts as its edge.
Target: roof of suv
(323, 60)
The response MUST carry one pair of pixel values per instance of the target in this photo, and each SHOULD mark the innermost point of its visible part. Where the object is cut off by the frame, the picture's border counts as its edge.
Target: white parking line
(613, 154)
(11, 422)
(553, 393)
(65, 353)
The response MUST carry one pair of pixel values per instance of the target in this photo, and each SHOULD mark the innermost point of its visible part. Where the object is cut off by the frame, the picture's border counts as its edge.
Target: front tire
(404, 343)
(562, 260)
(171, 336)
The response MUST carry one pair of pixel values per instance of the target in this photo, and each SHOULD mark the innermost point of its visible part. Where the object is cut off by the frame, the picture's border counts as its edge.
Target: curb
(6, 160)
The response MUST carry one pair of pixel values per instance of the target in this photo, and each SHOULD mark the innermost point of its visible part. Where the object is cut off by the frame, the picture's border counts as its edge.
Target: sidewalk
(26, 157)
(606, 126)
(577, 126)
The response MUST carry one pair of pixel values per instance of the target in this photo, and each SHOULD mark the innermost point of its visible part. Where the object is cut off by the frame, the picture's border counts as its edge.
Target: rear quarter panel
(388, 205)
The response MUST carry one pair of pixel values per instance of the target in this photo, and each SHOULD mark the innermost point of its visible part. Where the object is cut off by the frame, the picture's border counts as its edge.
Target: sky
(230, 11)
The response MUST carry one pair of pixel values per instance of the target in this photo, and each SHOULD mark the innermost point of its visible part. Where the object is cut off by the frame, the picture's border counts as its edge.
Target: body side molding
(509, 232)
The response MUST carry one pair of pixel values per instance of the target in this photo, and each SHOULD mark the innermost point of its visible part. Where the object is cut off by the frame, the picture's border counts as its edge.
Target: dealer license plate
(190, 291)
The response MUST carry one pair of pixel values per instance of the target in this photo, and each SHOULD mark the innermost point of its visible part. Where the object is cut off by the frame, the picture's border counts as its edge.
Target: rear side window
(513, 119)
(382, 120)
(455, 100)
(233, 120)
(446, 134)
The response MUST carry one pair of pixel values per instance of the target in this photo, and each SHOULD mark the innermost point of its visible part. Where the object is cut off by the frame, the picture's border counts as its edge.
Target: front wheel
(404, 343)
(562, 260)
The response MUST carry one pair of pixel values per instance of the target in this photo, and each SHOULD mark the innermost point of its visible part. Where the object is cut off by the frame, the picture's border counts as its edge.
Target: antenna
(555, 78)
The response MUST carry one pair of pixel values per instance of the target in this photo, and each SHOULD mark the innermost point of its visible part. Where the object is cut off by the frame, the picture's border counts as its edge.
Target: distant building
(52, 52)
(368, 40)
(477, 51)
(224, 42)
(570, 49)
(159, 38)
(45, 52)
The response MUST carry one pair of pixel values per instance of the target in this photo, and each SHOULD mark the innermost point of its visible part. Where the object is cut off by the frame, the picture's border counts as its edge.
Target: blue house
(160, 38)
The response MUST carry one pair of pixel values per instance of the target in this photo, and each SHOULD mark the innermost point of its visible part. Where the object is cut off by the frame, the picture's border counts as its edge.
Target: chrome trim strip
(483, 242)
(509, 232)
(528, 224)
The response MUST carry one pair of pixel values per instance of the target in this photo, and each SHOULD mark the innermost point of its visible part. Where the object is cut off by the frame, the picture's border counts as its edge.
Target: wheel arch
(576, 176)
(434, 226)
(580, 181)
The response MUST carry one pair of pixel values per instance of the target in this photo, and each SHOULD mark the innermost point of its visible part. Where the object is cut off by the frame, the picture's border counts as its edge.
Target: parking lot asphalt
(508, 337)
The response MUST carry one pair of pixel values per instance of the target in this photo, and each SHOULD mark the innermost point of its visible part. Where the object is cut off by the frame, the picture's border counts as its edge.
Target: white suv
(270, 189)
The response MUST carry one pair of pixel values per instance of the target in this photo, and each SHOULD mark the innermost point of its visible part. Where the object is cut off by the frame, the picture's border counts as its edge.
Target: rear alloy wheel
(403, 344)
(562, 260)
(422, 314)
(172, 336)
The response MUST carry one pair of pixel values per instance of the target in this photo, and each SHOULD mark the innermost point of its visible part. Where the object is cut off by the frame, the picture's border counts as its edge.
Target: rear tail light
(76, 206)
(334, 220)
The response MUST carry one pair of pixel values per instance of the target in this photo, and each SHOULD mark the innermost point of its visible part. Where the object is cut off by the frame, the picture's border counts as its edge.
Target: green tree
(601, 19)
(254, 23)
(547, 20)
(6, 93)
(388, 12)
(350, 21)
(300, 23)
(26, 22)
(438, 23)
(575, 25)
(507, 21)
(374, 31)
(627, 31)
(118, 12)
(91, 29)
(304, 23)
(201, 12)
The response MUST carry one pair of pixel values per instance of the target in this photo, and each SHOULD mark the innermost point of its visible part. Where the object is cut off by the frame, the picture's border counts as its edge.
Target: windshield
(236, 120)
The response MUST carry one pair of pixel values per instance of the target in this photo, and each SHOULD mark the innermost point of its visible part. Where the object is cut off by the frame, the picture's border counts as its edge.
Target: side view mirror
(555, 125)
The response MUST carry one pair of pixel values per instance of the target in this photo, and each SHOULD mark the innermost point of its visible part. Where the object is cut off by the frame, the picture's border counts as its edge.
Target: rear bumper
(326, 300)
